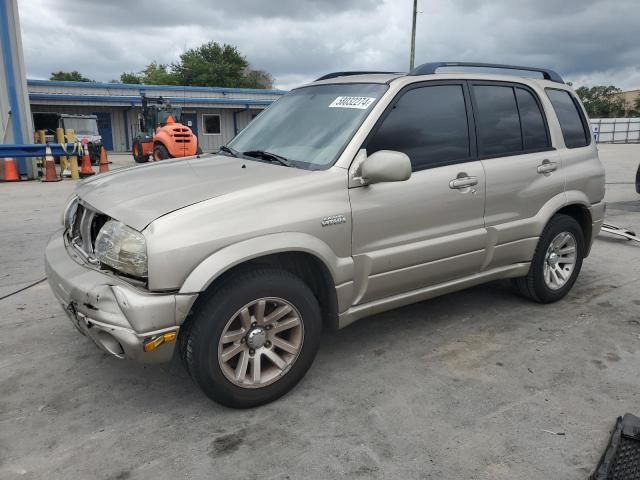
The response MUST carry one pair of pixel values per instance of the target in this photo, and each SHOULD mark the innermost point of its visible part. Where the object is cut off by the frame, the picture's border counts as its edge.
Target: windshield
(310, 126)
(81, 126)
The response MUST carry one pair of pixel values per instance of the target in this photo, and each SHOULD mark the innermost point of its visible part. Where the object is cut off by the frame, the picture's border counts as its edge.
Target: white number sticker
(352, 102)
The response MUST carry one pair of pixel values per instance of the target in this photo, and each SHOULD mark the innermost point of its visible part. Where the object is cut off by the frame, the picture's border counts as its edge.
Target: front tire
(137, 150)
(556, 263)
(253, 338)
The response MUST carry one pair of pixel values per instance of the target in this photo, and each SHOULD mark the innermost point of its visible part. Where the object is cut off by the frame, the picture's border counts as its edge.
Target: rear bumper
(118, 317)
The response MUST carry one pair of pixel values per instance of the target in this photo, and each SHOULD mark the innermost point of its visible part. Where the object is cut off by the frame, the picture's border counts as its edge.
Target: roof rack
(430, 68)
(348, 74)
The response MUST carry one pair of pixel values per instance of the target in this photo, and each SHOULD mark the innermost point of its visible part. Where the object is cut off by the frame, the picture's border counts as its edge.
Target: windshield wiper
(271, 157)
(230, 151)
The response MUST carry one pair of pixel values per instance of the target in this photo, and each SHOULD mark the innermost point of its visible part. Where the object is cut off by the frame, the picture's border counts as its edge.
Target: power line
(23, 288)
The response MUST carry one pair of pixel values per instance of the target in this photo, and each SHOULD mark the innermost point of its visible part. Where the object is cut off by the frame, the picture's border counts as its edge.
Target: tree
(130, 77)
(258, 79)
(158, 74)
(216, 65)
(209, 65)
(636, 107)
(154, 74)
(603, 101)
(74, 76)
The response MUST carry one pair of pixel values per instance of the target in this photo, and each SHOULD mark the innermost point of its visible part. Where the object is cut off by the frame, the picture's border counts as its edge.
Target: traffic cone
(50, 174)
(104, 163)
(10, 170)
(85, 169)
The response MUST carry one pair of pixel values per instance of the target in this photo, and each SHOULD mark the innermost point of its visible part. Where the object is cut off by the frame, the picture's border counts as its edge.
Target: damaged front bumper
(117, 316)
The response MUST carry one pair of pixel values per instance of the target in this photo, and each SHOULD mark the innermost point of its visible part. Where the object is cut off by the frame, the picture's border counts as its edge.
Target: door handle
(463, 182)
(546, 167)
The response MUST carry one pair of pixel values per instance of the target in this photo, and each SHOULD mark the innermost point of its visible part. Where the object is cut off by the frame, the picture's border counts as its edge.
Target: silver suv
(358, 193)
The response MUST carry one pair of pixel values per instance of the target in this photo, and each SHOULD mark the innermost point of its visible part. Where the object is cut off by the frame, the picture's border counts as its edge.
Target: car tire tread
(214, 309)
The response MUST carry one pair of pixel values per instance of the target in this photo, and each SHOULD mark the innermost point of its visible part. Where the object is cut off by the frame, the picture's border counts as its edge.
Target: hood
(138, 195)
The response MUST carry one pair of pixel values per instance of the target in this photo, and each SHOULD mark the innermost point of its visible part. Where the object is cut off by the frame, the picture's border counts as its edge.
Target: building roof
(140, 86)
(123, 94)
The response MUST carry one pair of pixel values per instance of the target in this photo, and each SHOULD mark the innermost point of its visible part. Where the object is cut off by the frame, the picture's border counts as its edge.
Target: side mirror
(386, 166)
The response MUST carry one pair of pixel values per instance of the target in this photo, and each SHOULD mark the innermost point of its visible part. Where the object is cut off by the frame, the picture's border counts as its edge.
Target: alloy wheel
(559, 260)
(261, 342)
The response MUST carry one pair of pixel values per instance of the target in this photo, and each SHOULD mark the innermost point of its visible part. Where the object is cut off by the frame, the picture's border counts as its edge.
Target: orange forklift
(161, 133)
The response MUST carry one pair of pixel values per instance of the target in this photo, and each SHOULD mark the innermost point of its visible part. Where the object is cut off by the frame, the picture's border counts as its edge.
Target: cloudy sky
(587, 41)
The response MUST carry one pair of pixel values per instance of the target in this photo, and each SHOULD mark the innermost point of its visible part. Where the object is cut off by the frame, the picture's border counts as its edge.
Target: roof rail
(348, 74)
(430, 68)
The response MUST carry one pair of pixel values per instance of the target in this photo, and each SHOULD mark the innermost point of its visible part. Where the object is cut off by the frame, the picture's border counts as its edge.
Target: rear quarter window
(572, 121)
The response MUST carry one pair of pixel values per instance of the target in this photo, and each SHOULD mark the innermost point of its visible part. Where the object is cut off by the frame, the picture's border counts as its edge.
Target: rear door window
(572, 120)
(427, 123)
(498, 121)
(534, 128)
(509, 120)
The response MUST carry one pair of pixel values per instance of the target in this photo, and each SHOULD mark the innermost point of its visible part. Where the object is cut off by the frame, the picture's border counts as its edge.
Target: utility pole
(413, 35)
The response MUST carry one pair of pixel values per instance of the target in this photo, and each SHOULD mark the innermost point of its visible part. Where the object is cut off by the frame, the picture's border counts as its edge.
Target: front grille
(84, 230)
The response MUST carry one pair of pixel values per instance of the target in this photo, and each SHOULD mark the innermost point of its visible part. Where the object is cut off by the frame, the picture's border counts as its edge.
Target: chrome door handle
(463, 182)
(546, 167)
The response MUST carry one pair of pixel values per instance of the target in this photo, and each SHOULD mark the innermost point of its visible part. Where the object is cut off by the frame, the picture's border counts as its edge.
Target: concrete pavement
(463, 386)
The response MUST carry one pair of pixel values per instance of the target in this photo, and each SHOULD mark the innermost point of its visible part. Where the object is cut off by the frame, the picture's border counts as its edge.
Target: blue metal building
(215, 114)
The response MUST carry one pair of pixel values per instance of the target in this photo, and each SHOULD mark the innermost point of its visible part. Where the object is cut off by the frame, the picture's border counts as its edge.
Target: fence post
(599, 129)
(626, 139)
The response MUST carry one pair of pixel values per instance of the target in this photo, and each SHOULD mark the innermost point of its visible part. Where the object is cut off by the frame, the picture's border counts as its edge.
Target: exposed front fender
(216, 264)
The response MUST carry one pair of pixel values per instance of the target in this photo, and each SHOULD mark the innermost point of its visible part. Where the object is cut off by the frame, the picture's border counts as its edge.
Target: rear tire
(160, 153)
(556, 263)
(137, 150)
(638, 179)
(241, 315)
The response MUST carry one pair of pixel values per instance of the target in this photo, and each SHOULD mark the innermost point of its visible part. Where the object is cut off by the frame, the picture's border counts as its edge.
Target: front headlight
(122, 248)
(69, 212)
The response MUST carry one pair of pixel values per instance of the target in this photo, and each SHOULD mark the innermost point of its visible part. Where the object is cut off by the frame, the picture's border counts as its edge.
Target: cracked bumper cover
(117, 316)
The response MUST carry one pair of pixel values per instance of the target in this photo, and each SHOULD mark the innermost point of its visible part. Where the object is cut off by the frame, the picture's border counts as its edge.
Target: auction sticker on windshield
(352, 102)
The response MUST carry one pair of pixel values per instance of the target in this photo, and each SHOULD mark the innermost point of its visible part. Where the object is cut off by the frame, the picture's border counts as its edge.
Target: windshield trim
(317, 167)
